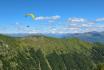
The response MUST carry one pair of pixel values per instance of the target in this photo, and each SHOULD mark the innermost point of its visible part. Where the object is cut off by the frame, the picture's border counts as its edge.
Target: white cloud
(51, 21)
(89, 29)
(76, 20)
(48, 17)
(17, 23)
(91, 22)
(55, 17)
(81, 25)
(76, 25)
(84, 25)
(100, 19)
(71, 28)
(81, 22)
(64, 30)
(40, 18)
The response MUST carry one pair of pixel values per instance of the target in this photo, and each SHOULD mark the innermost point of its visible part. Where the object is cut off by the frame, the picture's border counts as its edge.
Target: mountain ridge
(93, 36)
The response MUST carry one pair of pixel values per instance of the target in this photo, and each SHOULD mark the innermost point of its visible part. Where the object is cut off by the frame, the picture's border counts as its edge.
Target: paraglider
(27, 26)
(31, 15)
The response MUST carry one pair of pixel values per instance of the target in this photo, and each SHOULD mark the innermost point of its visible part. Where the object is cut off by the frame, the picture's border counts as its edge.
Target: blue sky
(52, 16)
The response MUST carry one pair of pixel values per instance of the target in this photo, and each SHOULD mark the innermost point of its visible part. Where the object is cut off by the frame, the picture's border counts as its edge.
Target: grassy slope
(45, 53)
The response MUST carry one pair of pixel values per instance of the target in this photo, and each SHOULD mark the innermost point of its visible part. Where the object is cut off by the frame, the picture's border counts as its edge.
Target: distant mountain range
(88, 36)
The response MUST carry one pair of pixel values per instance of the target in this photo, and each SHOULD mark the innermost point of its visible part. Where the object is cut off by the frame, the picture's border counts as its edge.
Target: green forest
(47, 53)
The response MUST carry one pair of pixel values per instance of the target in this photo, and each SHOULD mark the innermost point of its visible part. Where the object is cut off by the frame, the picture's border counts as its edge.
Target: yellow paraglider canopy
(31, 15)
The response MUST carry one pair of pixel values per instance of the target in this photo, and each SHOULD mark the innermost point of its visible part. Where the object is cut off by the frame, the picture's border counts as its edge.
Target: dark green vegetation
(45, 53)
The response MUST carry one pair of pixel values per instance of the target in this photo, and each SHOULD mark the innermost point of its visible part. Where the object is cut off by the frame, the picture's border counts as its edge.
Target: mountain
(88, 36)
(38, 52)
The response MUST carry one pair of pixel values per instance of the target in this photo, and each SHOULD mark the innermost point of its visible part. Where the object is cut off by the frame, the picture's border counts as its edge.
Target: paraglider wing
(28, 26)
(31, 15)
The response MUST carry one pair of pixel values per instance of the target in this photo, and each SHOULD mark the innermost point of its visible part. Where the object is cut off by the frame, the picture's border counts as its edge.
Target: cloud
(48, 18)
(71, 28)
(76, 20)
(91, 22)
(84, 25)
(51, 21)
(64, 30)
(17, 23)
(81, 24)
(74, 25)
(100, 19)
(55, 17)
(80, 21)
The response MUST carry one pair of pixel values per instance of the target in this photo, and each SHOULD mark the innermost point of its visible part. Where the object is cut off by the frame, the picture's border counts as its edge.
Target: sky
(52, 16)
